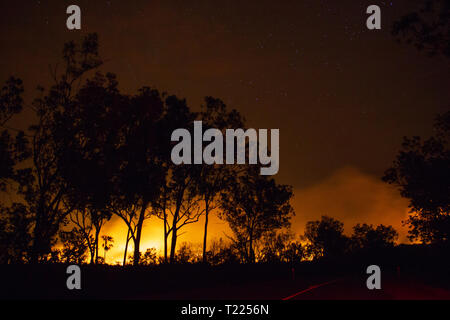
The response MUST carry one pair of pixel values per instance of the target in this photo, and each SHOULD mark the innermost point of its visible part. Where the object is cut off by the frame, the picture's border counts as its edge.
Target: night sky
(342, 96)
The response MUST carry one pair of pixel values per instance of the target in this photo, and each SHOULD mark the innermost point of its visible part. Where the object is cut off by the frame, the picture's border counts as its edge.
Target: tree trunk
(36, 243)
(173, 245)
(126, 247)
(174, 225)
(166, 235)
(251, 254)
(97, 233)
(205, 235)
(36, 248)
(137, 239)
(97, 228)
(104, 250)
(92, 252)
(174, 235)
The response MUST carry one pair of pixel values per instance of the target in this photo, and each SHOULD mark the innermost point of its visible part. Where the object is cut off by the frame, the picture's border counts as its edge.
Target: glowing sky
(348, 195)
(342, 96)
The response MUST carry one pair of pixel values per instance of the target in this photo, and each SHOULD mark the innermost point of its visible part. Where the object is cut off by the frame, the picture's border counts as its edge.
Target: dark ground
(408, 272)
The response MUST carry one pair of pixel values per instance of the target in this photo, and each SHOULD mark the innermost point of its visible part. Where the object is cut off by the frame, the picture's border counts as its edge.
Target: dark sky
(341, 95)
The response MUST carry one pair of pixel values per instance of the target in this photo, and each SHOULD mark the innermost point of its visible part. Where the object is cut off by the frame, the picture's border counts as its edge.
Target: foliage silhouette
(75, 246)
(95, 152)
(212, 179)
(368, 237)
(428, 28)
(254, 205)
(325, 238)
(421, 171)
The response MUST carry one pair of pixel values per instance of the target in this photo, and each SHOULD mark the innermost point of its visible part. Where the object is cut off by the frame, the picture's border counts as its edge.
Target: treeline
(95, 152)
(323, 239)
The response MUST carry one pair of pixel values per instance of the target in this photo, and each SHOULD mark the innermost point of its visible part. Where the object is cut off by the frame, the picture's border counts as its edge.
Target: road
(346, 288)
(354, 288)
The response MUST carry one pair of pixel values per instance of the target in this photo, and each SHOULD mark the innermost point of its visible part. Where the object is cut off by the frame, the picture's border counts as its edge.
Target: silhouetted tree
(11, 101)
(178, 204)
(212, 179)
(221, 252)
(182, 204)
(75, 246)
(88, 155)
(150, 257)
(89, 223)
(145, 151)
(41, 185)
(325, 238)
(114, 142)
(15, 220)
(108, 243)
(186, 254)
(428, 28)
(368, 237)
(294, 252)
(421, 171)
(15, 224)
(15, 233)
(254, 205)
(274, 246)
(12, 151)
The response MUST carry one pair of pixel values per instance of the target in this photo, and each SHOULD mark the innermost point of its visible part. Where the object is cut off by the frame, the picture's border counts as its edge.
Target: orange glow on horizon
(348, 195)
